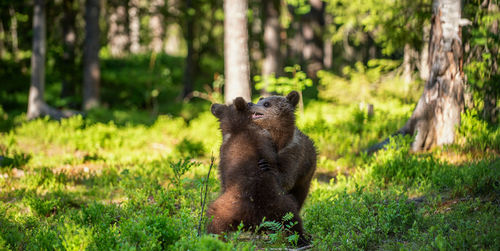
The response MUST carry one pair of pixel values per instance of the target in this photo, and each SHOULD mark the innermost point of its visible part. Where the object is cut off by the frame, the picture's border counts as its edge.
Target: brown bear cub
(296, 152)
(249, 192)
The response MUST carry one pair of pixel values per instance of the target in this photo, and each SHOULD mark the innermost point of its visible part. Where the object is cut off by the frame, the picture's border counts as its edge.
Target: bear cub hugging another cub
(266, 164)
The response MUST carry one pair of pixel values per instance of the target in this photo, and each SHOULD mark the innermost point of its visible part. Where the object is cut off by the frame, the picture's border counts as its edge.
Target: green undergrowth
(127, 180)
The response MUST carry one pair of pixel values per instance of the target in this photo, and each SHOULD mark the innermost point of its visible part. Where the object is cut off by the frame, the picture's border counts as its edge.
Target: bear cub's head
(275, 111)
(232, 117)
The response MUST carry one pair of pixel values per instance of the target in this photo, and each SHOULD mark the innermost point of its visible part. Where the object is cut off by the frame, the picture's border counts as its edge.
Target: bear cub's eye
(267, 104)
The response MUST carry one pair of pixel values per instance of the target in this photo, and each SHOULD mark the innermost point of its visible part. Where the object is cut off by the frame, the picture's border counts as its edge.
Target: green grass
(122, 179)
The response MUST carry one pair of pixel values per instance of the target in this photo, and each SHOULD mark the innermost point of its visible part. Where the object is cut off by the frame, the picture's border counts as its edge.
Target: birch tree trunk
(134, 26)
(437, 114)
(156, 25)
(236, 65)
(117, 33)
(91, 70)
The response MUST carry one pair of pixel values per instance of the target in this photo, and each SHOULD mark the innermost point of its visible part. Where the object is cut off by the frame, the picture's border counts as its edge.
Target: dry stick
(204, 197)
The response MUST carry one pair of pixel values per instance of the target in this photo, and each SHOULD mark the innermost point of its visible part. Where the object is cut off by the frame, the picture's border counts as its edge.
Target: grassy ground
(121, 179)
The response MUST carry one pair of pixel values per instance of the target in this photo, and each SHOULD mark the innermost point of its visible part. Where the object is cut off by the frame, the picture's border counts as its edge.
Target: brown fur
(249, 193)
(296, 152)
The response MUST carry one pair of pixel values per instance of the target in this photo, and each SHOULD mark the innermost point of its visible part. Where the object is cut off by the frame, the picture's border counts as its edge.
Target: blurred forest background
(129, 84)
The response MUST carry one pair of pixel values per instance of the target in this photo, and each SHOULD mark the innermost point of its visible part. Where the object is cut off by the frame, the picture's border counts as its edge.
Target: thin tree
(271, 64)
(236, 62)
(437, 113)
(36, 103)
(91, 70)
(311, 30)
(69, 41)
(187, 79)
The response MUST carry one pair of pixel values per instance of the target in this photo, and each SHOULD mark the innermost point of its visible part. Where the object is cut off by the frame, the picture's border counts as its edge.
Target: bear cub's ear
(217, 110)
(240, 104)
(293, 98)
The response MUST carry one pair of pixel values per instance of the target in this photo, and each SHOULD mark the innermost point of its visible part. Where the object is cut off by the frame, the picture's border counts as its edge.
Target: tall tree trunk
(13, 33)
(271, 64)
(117, 33)
(328, 47)
(236, 65)
(407, 69)
(438, 110)
(424, 65)
(134, 26)
(68, 58)
(91, 70)
(156, 25)
(312, 30)
(36, 104)
(189, 64)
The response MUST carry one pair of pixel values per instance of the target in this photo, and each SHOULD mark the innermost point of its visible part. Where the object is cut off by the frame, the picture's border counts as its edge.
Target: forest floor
(127, 179)
(87, 184)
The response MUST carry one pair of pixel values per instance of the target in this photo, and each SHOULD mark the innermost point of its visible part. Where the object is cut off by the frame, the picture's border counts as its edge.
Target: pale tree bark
(236, 65)
(312, 30)
(156, 25)
(13, 33)
(437, 114)
(424, 64)
(36, 103)
(68, 58)
(91, 69)
(407, 69)
(134, 26)
(174, 31)
(328, 47)
(271, 64)
(117, 33)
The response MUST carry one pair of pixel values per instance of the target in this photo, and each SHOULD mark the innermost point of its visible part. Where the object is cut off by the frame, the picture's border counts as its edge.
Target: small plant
(180, 168)
(281, 231)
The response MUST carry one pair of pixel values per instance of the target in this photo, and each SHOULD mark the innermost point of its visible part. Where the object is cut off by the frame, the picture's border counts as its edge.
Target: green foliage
(281, 232)
(283, 85)
(390, 23)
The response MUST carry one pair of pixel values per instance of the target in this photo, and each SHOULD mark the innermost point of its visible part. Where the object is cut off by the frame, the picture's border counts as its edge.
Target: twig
(204, 197)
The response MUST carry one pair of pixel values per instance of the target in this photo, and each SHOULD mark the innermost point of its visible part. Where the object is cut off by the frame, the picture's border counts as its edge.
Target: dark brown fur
(296, 152)
(249, 193)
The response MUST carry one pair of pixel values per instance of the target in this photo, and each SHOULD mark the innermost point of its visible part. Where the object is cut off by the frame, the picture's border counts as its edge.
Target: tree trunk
(13, 33)
(36, 104)
(312, 30)
(68, 58)
(189, 64)
(407, 69)
(134, 26)
(271, 64)
(328, 47)
(117, 33)
(91, 70)
(424, 65)
(236, 65)
(438, 110)
(156, 25)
